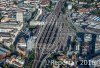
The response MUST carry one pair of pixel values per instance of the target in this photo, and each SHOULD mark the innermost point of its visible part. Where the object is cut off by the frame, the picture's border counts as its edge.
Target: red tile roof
(44, 2)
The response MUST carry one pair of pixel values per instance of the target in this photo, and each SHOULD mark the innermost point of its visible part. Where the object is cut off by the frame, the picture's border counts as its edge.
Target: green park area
(29, 60)
(49, 7)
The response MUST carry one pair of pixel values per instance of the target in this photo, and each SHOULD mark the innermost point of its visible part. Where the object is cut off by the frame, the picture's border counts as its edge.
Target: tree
(31, 55)
(64, 52)
(49, 7)
(86, 6)
(65, 4)
(29, 60)
(1, 16)
(63, 10)
(15, 2)
(75, 7)
(12, 47)
(96, 12)
(93, 5)
(74, 42)
(50, 4)
(5, 66)
(89, 1)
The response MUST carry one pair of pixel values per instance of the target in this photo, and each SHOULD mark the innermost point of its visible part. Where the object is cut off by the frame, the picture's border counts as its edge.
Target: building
(9, 27)
(4, 35)
(11, 24)
(54, 1)
(21, 47)
(33, 1)
(82, 3)
(44, 3)
(35, 23)
(87, 37)
(90, 40)
(31, 43)
(39, 12)
(69, 6)
(3, 53)
(19, 16)
(7, 42)
(21, 42)
(97, 44)
(96, 63)
(86, 10)
(17, 61)
(6, 29)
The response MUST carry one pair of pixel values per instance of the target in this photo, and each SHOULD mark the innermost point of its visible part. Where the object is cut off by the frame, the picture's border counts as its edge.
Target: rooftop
(10, 22)
(3, 51)
(4, 34)
(22, 40)
(45, 2)
(15, 61)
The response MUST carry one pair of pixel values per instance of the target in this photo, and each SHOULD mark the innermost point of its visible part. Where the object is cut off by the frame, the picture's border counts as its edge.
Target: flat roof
(5, 34)
(44, 2)
(10, 22)
(3, 51)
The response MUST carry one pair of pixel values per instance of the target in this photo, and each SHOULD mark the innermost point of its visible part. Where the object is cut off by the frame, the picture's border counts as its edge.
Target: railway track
(52, 36)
